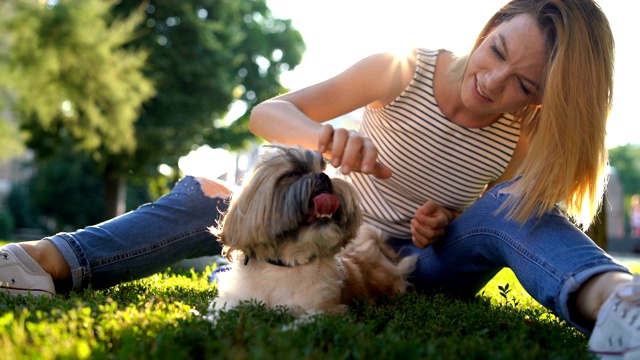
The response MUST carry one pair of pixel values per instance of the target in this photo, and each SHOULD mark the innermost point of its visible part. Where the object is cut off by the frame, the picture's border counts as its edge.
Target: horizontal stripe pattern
(430, 156)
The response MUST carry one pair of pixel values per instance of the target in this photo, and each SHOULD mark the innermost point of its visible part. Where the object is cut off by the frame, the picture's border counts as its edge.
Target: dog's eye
(290, 177)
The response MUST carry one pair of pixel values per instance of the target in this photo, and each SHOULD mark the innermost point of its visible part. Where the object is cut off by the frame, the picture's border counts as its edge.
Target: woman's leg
(141, 242)
(551, 258)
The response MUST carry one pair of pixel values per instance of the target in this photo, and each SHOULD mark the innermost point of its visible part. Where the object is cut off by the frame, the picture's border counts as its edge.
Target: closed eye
(496, 51)
(500, 55)
(524, 88)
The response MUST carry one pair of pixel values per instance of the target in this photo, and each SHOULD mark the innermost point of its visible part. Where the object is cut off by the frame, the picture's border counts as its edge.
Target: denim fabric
(145, 241)
(550, 256)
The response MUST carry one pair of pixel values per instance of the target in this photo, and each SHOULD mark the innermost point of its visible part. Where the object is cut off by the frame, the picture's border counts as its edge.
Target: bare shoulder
(376, 80)
(395, 71)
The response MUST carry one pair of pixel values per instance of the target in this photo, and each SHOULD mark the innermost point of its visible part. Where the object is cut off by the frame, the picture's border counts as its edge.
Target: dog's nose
(323, 177)
(324, 180)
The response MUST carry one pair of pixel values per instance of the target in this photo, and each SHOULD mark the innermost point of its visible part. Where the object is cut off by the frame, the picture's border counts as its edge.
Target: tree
(598, 230)
(626, 160)
(69, 176)
(74, 80)
(202, 56)
(72, 77)
(11, 141)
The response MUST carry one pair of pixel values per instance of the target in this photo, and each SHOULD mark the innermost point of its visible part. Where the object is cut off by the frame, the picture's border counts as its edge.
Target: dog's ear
(350, 202)
(241, 226)
(246, 224)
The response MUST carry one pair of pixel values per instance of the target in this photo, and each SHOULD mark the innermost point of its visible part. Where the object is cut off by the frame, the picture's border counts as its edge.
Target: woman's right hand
(351, 151)
(299, 117)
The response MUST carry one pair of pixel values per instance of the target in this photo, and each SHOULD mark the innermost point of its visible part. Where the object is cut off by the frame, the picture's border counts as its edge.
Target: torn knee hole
(213, 188)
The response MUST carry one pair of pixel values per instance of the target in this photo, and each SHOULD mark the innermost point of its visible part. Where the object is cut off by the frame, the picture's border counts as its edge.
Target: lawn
(161, 317)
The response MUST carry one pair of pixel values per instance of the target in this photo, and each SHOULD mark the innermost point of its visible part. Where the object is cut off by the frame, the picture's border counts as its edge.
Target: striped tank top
(430, 156)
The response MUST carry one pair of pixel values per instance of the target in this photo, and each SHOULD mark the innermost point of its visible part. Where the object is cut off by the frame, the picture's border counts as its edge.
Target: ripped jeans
(144, 241)
(550, 257)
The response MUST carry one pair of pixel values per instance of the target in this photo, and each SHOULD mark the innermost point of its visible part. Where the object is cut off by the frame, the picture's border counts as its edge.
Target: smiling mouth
(480, 90)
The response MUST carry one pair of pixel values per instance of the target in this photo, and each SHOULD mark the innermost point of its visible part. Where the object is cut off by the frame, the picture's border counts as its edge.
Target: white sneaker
(21, 275)
(617, 331)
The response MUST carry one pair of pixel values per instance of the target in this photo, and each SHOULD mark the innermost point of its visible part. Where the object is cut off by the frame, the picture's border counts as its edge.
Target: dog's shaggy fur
(295, 238)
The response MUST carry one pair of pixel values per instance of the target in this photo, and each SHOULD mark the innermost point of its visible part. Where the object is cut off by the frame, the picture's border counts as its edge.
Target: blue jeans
(144, 241)
(550, 256)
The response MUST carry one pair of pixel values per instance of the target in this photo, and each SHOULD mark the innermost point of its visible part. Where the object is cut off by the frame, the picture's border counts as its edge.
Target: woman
(520, 121)
(532, 99)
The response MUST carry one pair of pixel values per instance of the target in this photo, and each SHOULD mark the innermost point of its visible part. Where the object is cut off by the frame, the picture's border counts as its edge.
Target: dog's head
(289, 210)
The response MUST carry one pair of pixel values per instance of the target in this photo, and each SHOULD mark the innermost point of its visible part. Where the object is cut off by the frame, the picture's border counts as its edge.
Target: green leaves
(504, 292)
(203, 56)
(161, 317)
(136, 84)
(71, 76)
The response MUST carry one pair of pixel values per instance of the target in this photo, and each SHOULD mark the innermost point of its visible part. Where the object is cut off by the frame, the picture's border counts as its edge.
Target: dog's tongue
(325, 204)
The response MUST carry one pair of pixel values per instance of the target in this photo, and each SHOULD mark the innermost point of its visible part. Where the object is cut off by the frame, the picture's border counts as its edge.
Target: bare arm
(296, 118)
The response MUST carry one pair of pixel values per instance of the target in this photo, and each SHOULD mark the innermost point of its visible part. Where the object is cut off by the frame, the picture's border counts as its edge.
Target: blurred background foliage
(103, 92)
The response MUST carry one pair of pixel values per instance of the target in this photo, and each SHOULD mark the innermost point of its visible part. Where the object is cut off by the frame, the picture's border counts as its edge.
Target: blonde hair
(567, 155)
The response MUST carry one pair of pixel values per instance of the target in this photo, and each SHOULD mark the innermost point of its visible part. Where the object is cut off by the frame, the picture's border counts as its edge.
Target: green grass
(160, 317)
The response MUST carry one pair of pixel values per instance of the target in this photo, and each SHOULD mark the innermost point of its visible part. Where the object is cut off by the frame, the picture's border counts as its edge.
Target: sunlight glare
(237, 109)
(209, 163)
(165, 169)
(360, 28)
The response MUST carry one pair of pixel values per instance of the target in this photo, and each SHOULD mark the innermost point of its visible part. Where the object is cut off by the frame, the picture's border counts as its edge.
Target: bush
(19, 206)
(6, 225)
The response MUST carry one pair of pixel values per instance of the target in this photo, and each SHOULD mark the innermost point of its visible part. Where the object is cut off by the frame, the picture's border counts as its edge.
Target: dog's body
(309, 288)
(291, 236)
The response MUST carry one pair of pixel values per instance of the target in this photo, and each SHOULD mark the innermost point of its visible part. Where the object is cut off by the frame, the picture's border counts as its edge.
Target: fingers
(338, 148)
(351, 151)
(325, 138)
(429, 223)
(381, 171)
(424, 236)
(428, 208)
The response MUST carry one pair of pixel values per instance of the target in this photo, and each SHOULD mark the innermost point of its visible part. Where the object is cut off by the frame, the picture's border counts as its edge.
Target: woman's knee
(214, 188)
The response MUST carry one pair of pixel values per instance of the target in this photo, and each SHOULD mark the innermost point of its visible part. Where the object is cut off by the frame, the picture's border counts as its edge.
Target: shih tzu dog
(295, 238)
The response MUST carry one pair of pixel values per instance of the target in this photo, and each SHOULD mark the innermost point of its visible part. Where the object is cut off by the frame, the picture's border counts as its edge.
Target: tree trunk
(115, 195)
(598, 230)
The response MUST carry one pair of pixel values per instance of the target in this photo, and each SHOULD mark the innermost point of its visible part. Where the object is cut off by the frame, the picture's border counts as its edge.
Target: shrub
(6, 225)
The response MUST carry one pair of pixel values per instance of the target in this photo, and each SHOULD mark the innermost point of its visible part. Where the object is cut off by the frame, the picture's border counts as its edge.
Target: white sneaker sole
(13, 291)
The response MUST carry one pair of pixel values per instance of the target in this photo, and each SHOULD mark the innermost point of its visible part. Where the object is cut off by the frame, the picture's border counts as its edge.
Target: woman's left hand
(429, 223)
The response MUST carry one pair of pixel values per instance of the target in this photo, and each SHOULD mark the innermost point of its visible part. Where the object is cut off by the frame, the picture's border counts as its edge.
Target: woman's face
(504, 73)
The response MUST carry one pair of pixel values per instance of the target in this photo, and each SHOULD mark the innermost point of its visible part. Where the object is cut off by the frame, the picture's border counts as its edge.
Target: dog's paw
(302, 319)
(213, 314)
(407, 265)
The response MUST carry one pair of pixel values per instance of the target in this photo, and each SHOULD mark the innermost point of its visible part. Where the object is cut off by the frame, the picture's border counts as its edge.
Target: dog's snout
(323, 177)
(324, 181)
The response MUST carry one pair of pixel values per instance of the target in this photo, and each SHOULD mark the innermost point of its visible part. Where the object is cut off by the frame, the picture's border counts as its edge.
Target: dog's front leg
(217, 306)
